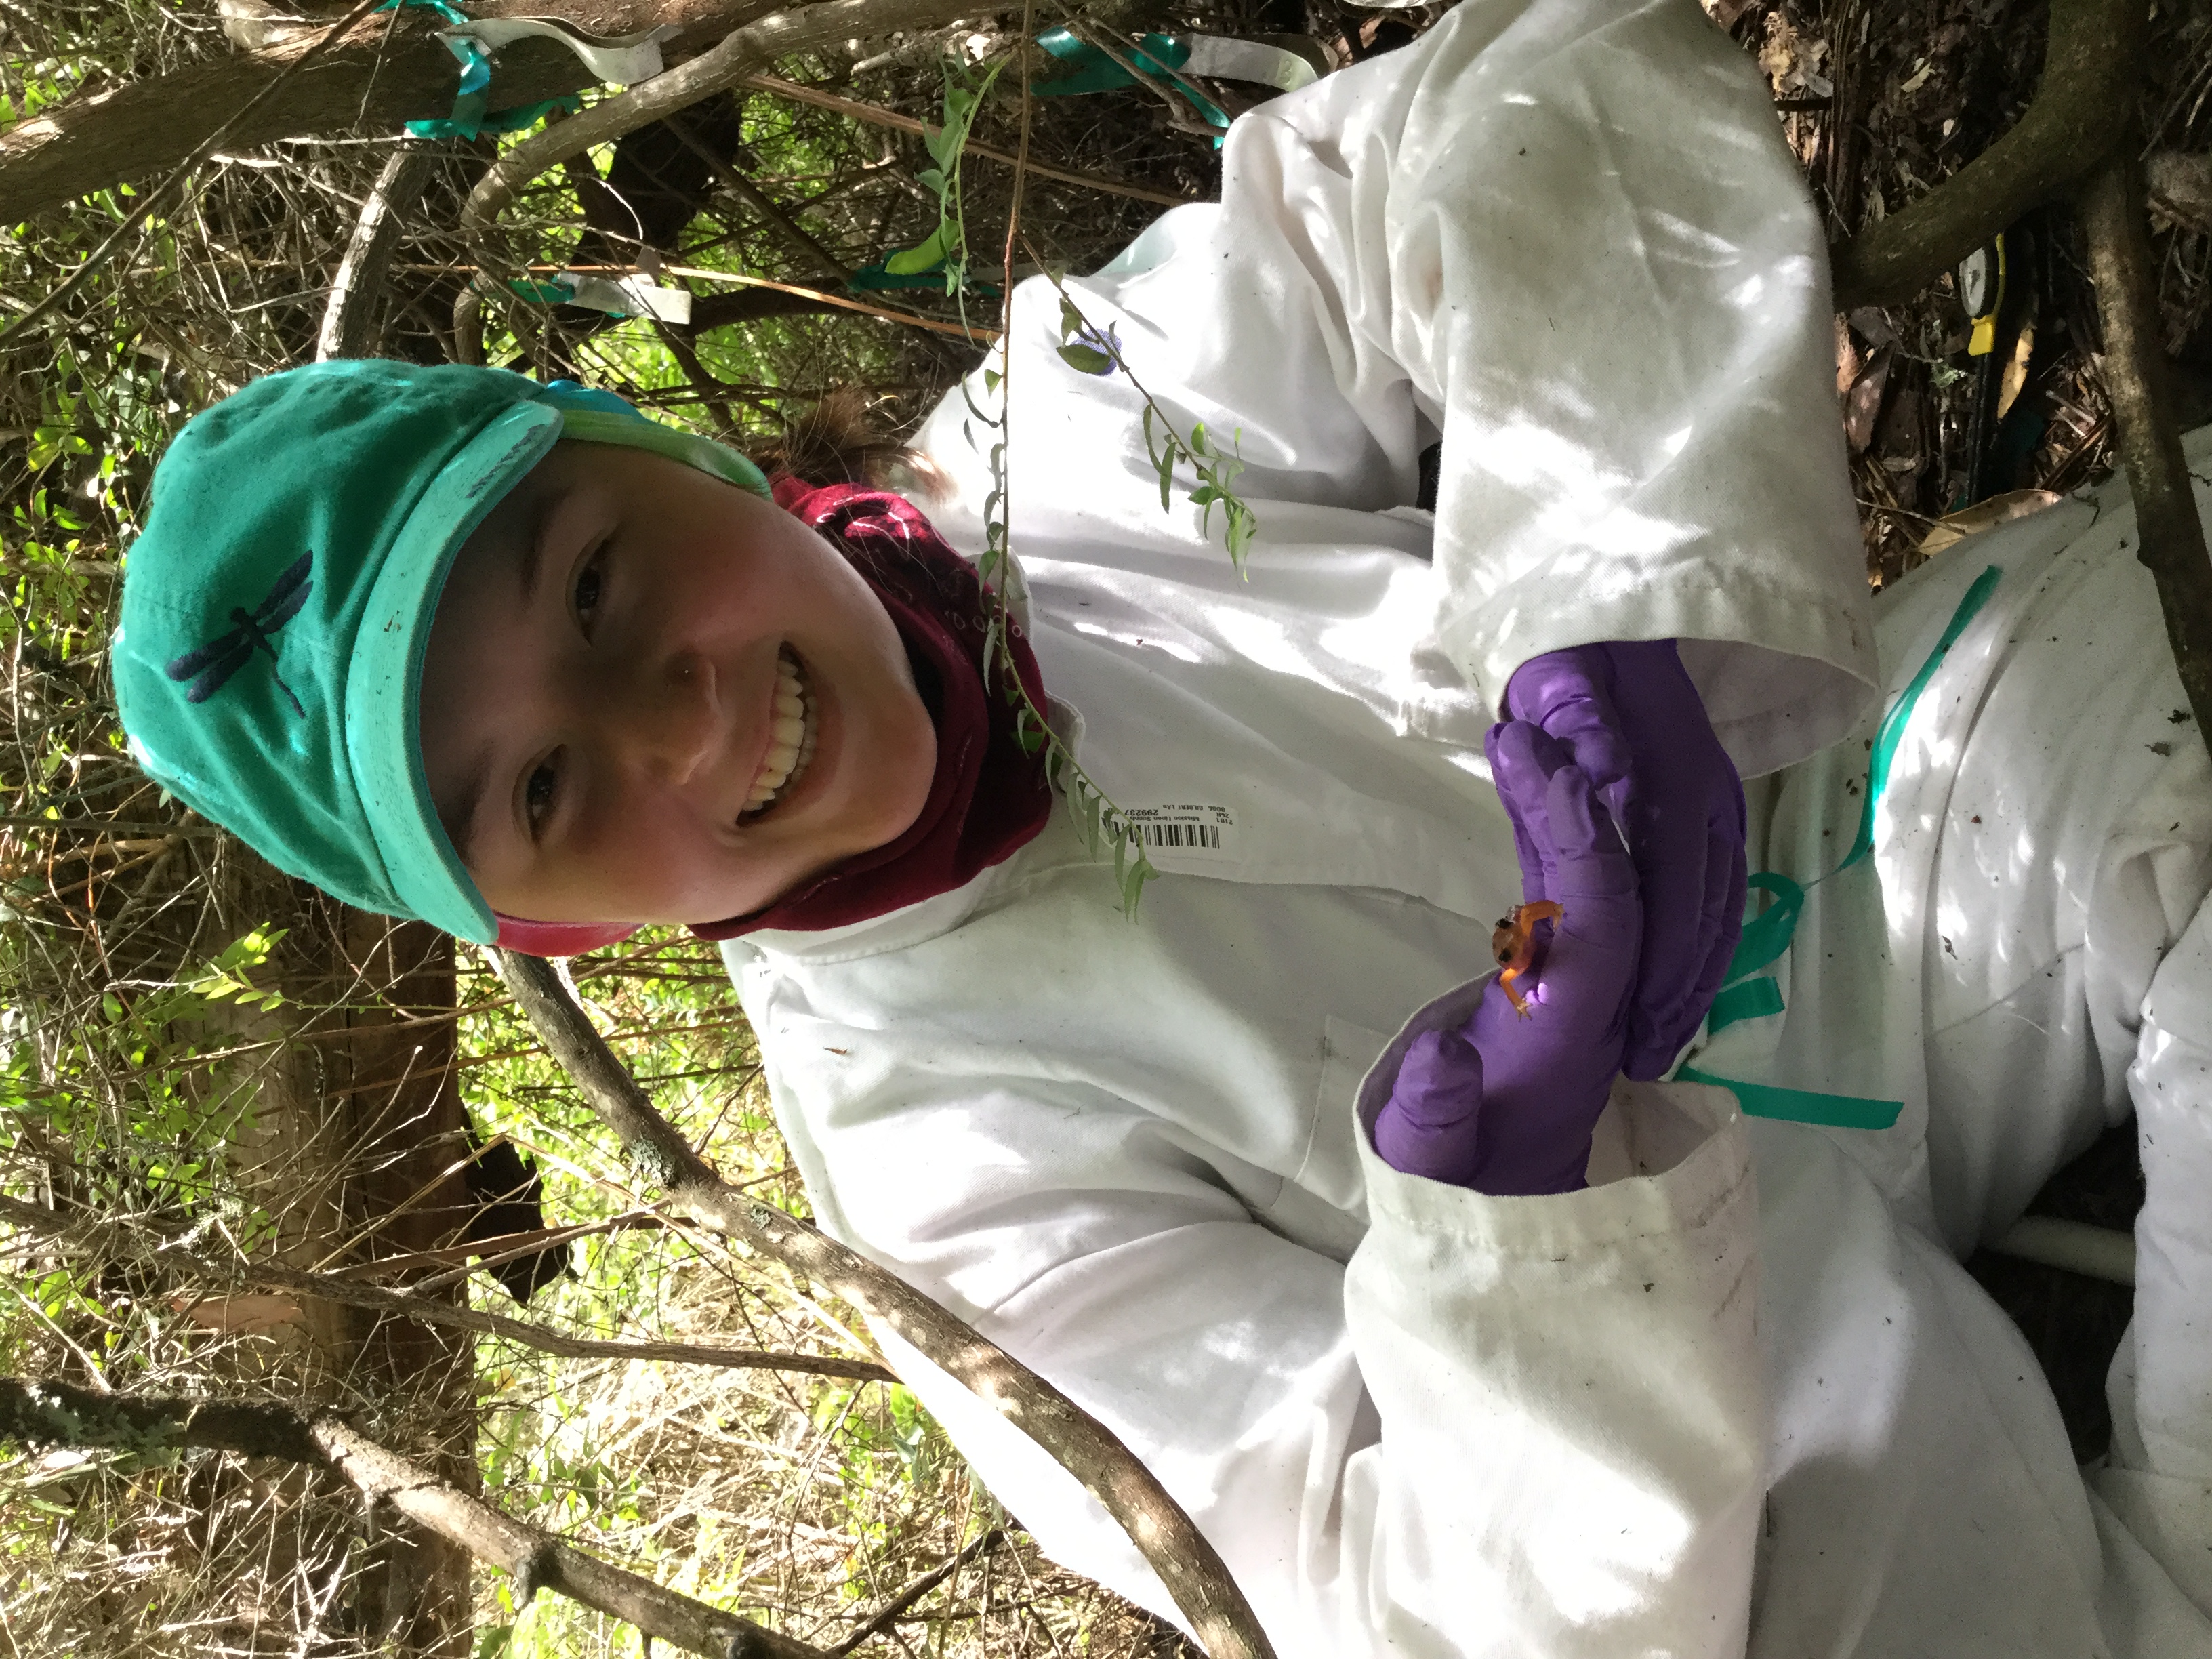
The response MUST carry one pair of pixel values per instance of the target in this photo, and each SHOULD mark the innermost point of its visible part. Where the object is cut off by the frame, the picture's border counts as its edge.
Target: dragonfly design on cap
(209, 666)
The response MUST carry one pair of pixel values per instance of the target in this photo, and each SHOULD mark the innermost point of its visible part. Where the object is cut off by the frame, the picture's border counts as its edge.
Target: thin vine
(1089, 349)
(1104, 825)
(948, 147)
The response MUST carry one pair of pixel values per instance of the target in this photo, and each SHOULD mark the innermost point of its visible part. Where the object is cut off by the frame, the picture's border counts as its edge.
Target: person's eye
(590, 581)
(540, 790)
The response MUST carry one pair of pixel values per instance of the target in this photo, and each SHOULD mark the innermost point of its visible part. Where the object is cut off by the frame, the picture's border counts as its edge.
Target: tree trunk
(403, 1128)
(390, 69)
(355, 1150)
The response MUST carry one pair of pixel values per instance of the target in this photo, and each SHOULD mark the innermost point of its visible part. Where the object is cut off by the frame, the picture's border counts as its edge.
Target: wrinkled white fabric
(1563, 233)
(2023, 962)
(1736, 1395)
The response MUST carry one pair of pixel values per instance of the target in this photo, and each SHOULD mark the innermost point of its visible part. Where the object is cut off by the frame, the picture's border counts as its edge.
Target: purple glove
(1631, 718)
(1505, 1104)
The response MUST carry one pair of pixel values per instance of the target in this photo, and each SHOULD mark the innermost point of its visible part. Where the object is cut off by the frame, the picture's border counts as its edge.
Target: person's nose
(666, 714)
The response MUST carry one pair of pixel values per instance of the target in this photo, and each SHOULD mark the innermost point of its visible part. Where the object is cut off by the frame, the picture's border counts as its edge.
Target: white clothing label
(1182, 828)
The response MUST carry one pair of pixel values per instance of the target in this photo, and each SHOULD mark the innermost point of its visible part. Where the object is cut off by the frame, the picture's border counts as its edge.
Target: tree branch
(148, 200)
(887, 1615)
(739, 53)
(380, 73)
(712, 311)
(2091, 73)
(156, 1427)
(876, 116)
(350, 313)
(794, 234)
(1186, 1563)
(110, 1242)
(2170, 534)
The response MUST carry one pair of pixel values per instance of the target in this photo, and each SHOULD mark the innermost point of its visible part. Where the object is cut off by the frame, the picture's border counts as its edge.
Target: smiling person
(680, 703)
(1457, 1330)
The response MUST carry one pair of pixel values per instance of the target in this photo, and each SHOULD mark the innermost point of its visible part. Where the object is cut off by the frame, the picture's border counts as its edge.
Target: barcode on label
(1182, 834)
(1184, 827)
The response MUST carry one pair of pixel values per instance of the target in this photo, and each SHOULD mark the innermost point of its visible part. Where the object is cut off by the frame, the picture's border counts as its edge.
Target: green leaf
(1163, 460)
(991, 379)
(1133, 884)
(1085, 360)
(912, 262)
(1241, 528)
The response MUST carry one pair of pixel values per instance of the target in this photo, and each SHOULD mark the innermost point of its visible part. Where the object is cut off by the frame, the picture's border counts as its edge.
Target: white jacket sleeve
(1567, 236)
(1532, 1429)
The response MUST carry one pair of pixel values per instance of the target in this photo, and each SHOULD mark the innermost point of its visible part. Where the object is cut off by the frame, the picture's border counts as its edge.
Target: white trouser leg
(2025, 956)
(2044, 836)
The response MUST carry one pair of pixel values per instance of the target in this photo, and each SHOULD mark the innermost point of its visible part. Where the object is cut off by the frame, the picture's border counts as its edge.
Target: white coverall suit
(1737, 1394)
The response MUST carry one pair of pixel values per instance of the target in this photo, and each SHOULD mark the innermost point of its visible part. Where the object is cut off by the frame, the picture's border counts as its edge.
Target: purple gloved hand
(1505, 1104)
(1633, 720)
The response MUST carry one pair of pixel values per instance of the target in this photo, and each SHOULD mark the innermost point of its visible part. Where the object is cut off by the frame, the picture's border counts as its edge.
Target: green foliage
(225, 976)
(159, 1067)
(157, 1082)
(1104, 826)
(1091, 350)
(964, 92)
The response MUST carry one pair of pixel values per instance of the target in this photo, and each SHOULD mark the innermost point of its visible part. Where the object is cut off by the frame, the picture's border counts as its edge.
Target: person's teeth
(791, 737)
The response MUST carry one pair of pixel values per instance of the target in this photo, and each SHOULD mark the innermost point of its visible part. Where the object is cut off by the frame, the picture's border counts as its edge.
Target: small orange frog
(1514, 944)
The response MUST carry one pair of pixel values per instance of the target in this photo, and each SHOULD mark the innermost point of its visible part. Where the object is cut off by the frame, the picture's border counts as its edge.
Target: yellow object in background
(1982, 288)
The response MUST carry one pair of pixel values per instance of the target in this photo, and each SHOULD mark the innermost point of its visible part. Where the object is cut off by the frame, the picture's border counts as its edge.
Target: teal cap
(269, 661)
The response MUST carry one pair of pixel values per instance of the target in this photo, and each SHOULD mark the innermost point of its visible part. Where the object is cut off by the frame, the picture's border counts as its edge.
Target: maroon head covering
(988, 796)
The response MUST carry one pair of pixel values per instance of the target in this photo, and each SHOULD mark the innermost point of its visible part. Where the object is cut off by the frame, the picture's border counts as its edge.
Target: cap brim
(631, 430)
(384, 682)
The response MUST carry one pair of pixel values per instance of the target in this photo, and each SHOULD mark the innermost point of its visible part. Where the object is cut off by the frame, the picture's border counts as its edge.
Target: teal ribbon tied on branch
(471, 117)
(1086, 68)
(1747, 994)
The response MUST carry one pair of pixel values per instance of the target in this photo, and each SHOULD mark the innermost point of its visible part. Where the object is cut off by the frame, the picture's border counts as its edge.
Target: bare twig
(155, 1427)
(2170, 535)
(889, 1614)
(876, 116)
(360, 283)
(97, 259)
(1187, 1563)
(701, 378)
(739, 53)
(116, 1244)
(2091, 72)
(757, 199)
(387, 70)
(738, 279)
(1181, 115)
